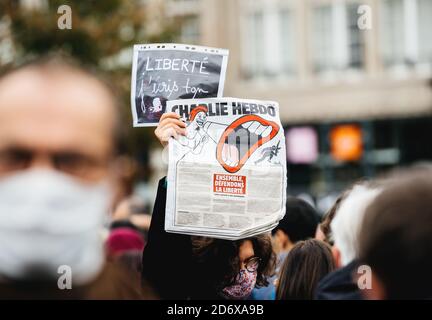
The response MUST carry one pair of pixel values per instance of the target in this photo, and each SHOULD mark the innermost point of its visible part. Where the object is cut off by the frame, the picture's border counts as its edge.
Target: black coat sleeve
(167, 257)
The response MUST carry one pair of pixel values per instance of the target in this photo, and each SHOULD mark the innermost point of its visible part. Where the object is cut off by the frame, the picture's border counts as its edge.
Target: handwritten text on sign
(168, 87)
(161, 75)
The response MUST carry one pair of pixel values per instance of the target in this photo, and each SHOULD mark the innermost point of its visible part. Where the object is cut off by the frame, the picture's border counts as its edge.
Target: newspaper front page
(227, 176)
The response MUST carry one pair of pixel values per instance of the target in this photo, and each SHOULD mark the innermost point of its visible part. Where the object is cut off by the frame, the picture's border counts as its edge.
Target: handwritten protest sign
(163, 72)
(227, 176)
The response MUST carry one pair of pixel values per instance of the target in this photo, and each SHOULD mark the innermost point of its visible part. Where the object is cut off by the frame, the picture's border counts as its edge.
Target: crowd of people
(60, 206)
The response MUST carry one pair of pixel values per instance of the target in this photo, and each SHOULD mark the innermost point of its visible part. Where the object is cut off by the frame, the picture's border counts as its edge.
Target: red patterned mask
(242, 287)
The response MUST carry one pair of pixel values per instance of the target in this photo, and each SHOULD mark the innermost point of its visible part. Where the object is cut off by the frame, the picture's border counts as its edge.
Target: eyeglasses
(252, 264)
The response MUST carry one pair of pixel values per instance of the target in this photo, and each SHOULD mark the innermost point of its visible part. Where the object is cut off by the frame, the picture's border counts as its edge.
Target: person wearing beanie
(124, 239)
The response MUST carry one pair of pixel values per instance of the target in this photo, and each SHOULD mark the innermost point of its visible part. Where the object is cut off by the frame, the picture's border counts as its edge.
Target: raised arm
(167, 256)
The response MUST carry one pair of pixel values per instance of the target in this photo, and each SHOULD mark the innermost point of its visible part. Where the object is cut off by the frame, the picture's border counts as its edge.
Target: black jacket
(339, 285)
(168, 263)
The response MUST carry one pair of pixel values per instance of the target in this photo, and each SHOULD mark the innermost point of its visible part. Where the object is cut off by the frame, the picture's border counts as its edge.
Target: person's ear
(281, 239)
(276, 242)
(319, 234)
(336, 257)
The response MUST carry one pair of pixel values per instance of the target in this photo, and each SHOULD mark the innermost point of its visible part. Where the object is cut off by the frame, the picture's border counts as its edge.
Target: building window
(337, 42)
(286, 31)
(392, 22)
(322, 38)
(406, 33)
(256, 44)
(425, 30)
(190, 30)
(355, 38)
(268, 42)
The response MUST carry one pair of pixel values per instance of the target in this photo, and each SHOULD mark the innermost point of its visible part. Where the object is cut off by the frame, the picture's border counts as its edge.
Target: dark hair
(329, 216)
(300, 220)
(132, 260)
(396, 236)
(306, 264)
(221, 257)
(63, 61)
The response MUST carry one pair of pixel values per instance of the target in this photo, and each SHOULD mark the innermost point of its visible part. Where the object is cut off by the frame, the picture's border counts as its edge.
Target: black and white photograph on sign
(163, 72)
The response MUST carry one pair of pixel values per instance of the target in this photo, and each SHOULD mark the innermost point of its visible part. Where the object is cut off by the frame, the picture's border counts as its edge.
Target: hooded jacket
(339, 285)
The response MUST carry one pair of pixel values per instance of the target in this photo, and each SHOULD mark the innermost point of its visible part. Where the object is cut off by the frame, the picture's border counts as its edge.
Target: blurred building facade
(312, 57)
(354, 102)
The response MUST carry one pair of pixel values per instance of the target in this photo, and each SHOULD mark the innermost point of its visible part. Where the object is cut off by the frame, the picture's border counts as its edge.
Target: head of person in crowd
(323, 231)
(58, 144)
(234, 268)
(123, 239)
(124, 246)
(128, 233)
(347, 221)
(135, 210)
(306, 264)
(299, 223)
(396, 239)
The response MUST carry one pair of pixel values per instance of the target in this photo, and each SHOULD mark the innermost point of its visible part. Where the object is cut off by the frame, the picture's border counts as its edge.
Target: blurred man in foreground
(58, 126)
(345, 228)
(396, 239)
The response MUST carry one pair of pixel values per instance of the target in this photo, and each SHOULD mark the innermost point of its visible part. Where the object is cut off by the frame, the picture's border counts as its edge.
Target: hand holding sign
(169, 126)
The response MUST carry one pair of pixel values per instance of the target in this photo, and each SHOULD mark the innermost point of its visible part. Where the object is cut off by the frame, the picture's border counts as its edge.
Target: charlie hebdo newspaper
(170, 71)
(227, 176)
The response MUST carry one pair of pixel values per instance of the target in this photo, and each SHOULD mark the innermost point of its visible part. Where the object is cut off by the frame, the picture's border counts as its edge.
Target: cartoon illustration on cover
(235, 143)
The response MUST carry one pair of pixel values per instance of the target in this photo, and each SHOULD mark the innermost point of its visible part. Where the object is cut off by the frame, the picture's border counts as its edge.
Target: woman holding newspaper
(188, 267)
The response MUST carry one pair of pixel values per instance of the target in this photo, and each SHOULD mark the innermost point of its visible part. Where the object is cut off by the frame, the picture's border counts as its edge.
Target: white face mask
(48, 219)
